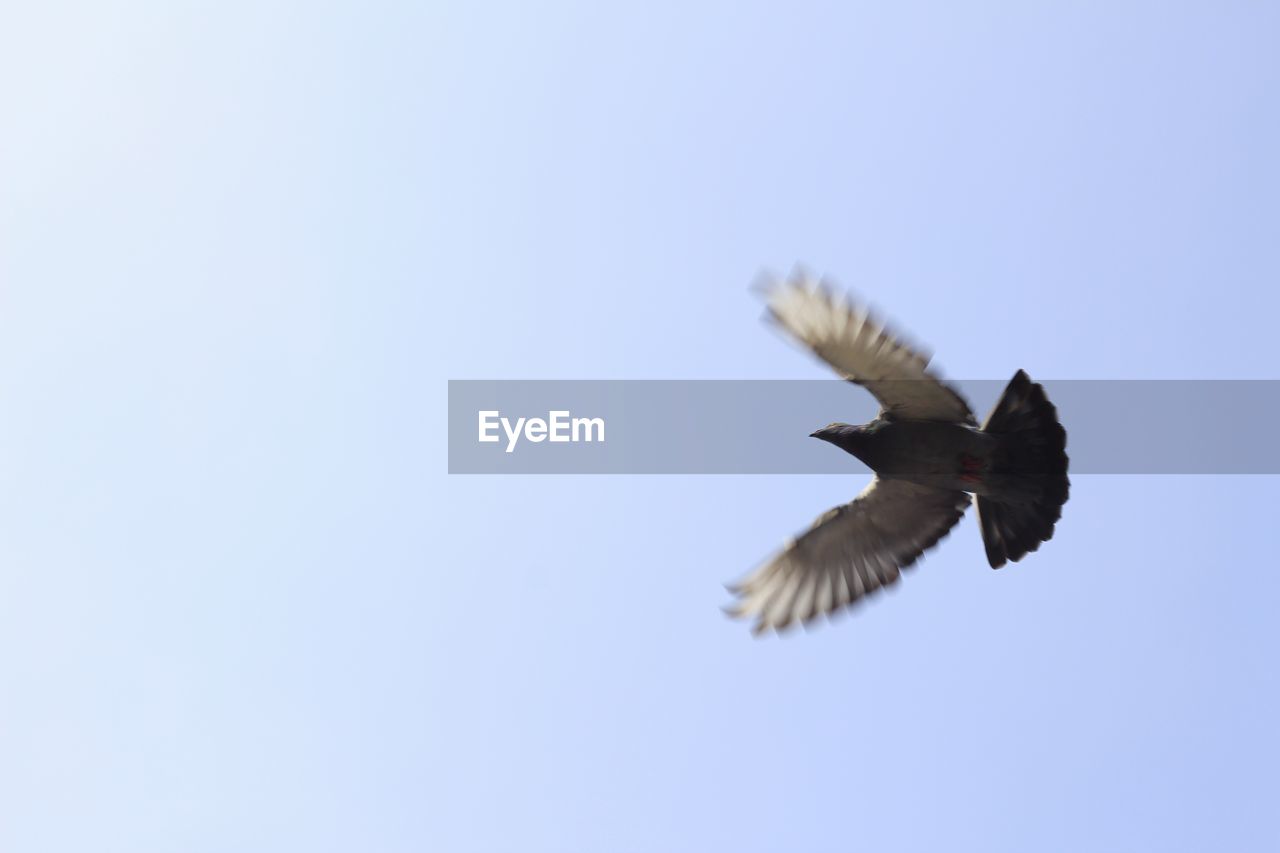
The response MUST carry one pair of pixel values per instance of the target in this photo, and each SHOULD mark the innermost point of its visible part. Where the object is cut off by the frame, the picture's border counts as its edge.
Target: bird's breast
(941, 455)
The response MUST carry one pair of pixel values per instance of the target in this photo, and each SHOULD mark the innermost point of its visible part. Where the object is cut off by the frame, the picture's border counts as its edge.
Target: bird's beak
(818, 434)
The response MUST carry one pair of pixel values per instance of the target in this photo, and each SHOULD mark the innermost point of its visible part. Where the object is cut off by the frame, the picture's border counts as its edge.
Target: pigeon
(930, 459)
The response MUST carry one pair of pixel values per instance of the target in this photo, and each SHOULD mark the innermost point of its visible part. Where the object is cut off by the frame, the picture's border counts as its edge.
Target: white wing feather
(859, 348)
(849, 552)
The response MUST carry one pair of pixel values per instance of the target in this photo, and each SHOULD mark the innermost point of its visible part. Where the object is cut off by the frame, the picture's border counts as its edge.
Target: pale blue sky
(244, 245)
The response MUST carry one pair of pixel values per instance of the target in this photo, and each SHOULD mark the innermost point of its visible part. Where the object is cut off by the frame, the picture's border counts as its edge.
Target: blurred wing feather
(861, 350)
(848, 553)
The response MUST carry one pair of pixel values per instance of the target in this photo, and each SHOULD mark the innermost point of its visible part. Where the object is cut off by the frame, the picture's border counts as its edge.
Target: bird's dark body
(1015, 465)
(930, 453)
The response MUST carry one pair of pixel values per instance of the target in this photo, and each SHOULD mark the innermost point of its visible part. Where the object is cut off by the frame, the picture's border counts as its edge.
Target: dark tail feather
(1028, 474)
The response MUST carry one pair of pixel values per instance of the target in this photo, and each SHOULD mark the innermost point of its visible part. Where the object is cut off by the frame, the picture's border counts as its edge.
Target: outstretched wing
(849, 552)
(846, 337)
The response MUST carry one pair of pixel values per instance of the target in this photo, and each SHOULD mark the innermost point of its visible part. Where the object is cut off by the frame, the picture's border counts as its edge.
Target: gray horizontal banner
(763, 426)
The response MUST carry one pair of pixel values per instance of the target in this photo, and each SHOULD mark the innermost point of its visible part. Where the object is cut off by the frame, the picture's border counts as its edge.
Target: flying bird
(930, 459)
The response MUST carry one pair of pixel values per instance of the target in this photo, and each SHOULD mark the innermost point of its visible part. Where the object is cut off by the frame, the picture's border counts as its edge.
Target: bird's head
(836, 433)
(847, 437)
(831, 431)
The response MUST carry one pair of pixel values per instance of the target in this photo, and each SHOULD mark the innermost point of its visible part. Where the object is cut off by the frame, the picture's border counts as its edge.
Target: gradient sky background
(244, 245)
